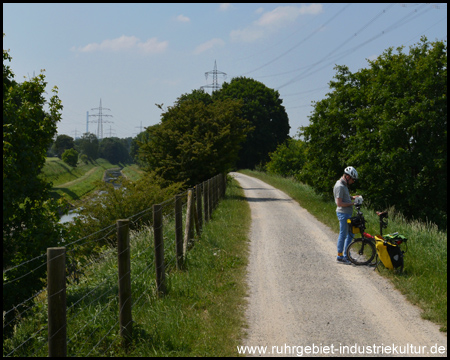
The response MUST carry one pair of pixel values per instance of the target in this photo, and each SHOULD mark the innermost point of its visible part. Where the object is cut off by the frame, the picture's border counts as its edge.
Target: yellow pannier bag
(383, 253)
(353, 224)
(390, 254)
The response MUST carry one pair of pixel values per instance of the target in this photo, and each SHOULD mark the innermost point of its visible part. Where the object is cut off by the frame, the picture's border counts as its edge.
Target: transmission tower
(215, 85)
(76, 133)
(100, 120)
(111, 132)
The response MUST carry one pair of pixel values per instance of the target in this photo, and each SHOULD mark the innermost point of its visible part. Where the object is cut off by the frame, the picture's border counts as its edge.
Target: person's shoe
(343, 260)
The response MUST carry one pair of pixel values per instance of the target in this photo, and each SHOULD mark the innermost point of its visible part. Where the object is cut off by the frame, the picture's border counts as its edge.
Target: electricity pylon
(100, 120)
(215, 85)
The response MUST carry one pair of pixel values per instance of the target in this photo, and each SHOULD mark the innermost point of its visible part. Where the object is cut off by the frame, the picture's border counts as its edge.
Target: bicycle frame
(356, 252)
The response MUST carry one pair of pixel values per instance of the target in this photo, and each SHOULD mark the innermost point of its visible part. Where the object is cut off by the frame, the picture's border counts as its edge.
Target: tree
(288, 159)
(88, 145)
(264, 110)
(113, 150)
(70, 157)
(390, 122)
(62, 143)
(30, 220)
(134, 147)
(194, 140)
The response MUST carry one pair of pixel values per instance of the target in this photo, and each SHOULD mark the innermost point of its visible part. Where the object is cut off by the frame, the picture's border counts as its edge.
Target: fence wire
(92, 293)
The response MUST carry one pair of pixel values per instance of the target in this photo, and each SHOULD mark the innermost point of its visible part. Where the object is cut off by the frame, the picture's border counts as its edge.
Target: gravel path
(300, 296)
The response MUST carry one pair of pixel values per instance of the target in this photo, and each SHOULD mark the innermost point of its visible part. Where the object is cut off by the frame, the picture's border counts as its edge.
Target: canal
(110, 176)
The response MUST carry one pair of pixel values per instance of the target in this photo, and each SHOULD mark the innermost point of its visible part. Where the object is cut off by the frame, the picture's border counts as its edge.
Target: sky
(131, 57)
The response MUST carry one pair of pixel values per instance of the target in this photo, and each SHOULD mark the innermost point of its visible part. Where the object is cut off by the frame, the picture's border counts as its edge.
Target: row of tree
(89, 148)
(202, 135)
(389, 121)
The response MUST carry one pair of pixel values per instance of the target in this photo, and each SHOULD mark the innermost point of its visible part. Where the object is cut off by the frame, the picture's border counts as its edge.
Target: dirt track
(300, 296)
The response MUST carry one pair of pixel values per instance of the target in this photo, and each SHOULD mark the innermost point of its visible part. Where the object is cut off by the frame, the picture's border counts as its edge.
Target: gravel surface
(302, 302)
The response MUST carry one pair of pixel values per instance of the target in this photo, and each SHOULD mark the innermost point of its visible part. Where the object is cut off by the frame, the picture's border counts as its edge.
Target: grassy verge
(76, 183)
(201, 315)
(424, 279)
(132, 172)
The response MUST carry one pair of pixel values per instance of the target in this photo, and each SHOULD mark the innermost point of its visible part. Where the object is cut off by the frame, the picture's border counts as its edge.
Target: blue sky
(133, 56)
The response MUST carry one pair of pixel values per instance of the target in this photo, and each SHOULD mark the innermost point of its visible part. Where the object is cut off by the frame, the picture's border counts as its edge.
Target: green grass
(74, 183)
(424, 279)
(132, 172)
(201, 315)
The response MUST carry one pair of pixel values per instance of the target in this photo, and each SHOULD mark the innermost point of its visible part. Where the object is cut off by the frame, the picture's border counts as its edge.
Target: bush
(70, 157)
(98, 217)
(288, 159)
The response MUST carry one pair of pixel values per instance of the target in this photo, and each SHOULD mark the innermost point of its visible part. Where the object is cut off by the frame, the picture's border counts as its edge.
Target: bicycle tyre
(361, 252)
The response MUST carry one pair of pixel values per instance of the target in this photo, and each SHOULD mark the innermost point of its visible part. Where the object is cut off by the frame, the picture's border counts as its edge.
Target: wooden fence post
(56, 292)
(179, 230)
(206, 200)
(124, 266)
(210, 198)
(224, 184)
(216, 193)
(188, 226)
(198, 190)
(159, 249)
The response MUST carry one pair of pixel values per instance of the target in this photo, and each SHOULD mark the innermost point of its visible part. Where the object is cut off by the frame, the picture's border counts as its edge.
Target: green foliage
(140, 138)
(112, 204)
(194, 140)
(288, 159)
(62, 143)
(264, 110)
(29, 217)
(70, 157)
(113, 150)
(389, 121)
(84, 158)
(88, 145)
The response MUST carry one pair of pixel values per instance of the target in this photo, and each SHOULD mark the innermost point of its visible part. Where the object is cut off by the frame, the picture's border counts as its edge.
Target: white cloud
(208, 45)
(126, 43)
(182, 18)
(249, 34)
(273, 20)
(152, 46)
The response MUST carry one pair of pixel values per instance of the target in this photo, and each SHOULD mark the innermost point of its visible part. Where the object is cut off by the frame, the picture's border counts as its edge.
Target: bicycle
(363, 250)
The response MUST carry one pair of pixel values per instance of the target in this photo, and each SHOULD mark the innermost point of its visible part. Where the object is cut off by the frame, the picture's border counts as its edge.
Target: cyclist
(344, 210)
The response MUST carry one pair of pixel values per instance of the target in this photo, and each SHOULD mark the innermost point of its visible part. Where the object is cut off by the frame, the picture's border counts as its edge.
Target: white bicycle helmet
(350, 170)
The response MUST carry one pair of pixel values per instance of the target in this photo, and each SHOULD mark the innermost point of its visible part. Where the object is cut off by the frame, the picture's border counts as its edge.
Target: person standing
(344, 210)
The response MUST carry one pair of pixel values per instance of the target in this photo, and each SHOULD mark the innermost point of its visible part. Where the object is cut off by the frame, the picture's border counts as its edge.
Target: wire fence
(77, 320)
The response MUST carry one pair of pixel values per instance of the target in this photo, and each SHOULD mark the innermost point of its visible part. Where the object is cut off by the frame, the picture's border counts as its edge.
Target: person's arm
(340, 203)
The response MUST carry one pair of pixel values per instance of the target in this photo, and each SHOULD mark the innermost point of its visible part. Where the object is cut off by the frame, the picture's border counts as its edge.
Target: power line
(301, 42)
(397, 24)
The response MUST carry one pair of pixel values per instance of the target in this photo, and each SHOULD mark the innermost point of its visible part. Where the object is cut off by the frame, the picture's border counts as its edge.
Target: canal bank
(111, 176)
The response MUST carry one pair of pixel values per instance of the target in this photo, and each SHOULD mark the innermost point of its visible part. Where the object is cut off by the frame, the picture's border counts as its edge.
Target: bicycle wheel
(361, 252)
